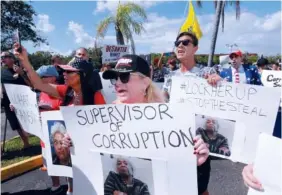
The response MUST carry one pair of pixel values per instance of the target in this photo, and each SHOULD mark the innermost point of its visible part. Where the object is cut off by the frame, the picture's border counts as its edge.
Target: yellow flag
(191, 23)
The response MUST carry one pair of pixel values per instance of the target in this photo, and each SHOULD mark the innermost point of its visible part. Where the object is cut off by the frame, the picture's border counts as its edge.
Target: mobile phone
(17, 39)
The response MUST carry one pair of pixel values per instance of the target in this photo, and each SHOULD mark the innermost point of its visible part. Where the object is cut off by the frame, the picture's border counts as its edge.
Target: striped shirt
(114, 182)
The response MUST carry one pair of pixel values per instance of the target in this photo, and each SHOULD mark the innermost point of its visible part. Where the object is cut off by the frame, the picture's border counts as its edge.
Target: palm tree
(219, 14)
(129, 19)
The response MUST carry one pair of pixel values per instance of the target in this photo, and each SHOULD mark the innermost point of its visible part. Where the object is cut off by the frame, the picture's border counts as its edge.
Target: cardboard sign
(111, 53)
(57, 157)
(25, 103)
(120, 130)
(252, 108)
(267, 165)
(271, 78)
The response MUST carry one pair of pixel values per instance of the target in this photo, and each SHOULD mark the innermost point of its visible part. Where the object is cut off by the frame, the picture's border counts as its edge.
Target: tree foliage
(18, 15)
(129, 19)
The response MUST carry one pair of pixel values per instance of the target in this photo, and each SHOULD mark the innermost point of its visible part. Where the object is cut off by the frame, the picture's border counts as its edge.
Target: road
(225, 177)
(9, 132)
(225, 180)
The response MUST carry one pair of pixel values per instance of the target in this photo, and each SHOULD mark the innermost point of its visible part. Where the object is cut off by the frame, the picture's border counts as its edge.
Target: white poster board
(159, 132)
(111, 53)
(25, 103)
(271, 78)
(109, 91)
(267, 165)
(253, 108)
(52, 124)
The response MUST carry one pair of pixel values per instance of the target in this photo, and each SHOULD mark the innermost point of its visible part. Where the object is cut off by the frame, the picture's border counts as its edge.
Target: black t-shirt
(7, 77)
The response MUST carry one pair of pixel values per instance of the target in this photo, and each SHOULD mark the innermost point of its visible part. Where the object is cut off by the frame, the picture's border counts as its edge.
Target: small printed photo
(60, 154)
(217, 133)
(127, 175)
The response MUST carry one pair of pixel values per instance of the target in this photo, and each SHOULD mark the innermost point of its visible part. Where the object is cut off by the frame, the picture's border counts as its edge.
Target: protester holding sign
(186, 46)
(131, 78)
(77, 90)
(12, 74)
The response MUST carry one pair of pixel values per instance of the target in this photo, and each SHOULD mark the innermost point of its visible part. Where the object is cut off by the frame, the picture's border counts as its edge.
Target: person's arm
(34, 78)
(109, 187)
(249, 179)
(19, 70)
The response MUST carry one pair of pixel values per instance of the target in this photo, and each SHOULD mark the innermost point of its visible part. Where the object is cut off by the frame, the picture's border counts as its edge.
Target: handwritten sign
(120, 129)
(25, 103)
(111, 53)
(254, 109)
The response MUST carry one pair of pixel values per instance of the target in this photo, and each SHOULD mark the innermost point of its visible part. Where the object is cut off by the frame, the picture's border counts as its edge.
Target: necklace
(77, 98)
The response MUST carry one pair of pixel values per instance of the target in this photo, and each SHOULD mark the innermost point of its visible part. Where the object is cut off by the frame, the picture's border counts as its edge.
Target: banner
(160, 133)
(57, 157)
(233, 115)
(111, 53)
(268, 172)
(26, 109)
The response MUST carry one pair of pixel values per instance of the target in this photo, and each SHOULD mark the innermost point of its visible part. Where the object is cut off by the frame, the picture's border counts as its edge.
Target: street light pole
(230, 46)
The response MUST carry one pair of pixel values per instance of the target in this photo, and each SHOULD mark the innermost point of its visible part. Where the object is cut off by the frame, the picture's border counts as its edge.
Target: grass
(14, 151)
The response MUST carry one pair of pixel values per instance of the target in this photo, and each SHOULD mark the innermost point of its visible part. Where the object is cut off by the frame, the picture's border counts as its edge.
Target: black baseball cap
(262, 62)
(78, 65)
(126, 64)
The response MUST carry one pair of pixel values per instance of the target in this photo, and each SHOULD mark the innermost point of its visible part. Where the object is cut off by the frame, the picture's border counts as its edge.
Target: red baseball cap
(237, 53)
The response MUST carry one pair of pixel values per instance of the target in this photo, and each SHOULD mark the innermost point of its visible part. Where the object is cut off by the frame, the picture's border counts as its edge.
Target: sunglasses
(4, 57)
(184, 42)
(123, 77)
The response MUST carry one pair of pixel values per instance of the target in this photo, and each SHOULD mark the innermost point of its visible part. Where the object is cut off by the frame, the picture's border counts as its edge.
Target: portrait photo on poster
(60, 154)
(127, 175)
(217, 133)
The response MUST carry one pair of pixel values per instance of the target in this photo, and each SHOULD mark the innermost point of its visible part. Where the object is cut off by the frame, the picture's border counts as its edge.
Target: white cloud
(111, 5)
(44, 47)
(81, 37)
(251, 33)
(43, 24)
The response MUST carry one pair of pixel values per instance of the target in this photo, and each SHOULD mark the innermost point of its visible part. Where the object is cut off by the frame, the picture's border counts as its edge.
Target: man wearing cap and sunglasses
(12, 74)
(239, 72)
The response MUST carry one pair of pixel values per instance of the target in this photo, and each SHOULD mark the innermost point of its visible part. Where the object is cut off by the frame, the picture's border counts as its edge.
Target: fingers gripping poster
(58, 157)
(230, 116)
(156, 136)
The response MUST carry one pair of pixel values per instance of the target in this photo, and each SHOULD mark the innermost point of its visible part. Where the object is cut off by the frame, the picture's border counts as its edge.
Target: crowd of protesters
(77, 83)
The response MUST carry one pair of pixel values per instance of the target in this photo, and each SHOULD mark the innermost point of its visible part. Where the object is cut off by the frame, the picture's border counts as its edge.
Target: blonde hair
(153, 93)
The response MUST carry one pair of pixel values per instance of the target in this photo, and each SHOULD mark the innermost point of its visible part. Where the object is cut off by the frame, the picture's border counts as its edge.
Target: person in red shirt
(77, 89)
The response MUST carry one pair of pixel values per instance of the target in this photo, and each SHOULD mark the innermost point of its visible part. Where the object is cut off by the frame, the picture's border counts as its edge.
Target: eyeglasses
(123, 77)
(184, 42)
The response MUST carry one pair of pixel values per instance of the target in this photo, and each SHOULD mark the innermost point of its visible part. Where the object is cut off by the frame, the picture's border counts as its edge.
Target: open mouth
(181, 52)
(121, 91)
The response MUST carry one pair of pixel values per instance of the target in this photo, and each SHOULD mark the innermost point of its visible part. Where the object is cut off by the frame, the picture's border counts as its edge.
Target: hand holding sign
(201, 150)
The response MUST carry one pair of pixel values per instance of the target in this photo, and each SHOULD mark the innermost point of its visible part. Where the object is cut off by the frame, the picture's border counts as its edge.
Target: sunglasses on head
(184, 42)
(123, 77)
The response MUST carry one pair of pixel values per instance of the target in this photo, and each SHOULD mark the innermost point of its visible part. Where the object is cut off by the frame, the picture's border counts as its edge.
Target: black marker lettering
(169, 139)
(80, 116)
(106, 138)
(103, 116)
(133, 109)
(110, 111)
(96, 113)
(122, 138)
(113, 141)
(153, 133)
(144, 141)
(163, 108)
(146, 112)
(94, 142)
(251, 91)
(136, 147)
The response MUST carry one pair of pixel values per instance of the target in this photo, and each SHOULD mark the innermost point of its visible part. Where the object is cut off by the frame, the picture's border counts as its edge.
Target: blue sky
(69, 25)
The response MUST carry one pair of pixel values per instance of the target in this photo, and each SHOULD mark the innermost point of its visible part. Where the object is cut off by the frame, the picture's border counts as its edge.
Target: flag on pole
(191, 23)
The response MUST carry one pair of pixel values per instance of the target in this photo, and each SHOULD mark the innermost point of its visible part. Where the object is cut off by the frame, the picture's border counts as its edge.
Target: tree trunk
(119, 36)
(215, 31)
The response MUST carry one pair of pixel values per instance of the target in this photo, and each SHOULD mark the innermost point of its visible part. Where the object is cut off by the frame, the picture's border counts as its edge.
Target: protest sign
(267, 165)
(109, 91)
(57, 157)
(111, 53)
(271, 78)
(25, 103)
(253, 108)
(160, 132)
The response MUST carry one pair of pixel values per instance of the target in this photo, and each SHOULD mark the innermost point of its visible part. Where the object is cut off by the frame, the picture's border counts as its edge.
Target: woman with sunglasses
(77, 89)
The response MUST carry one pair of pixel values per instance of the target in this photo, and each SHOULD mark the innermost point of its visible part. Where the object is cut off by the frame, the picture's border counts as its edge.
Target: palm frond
(104, 25)
(237, 8)
(136, 9)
